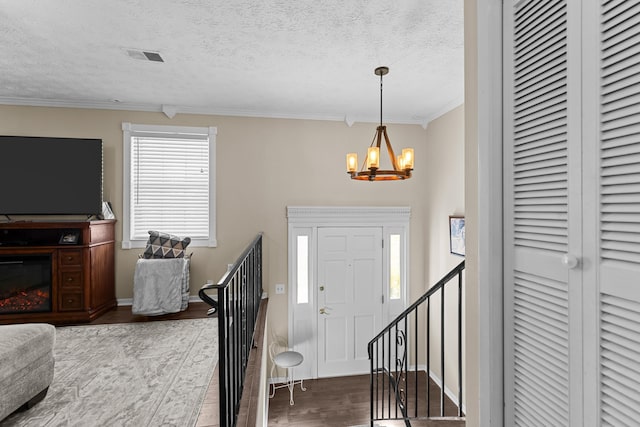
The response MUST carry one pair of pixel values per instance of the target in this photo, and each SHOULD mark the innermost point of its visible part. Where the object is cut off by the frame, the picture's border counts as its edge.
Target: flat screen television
(50, 176)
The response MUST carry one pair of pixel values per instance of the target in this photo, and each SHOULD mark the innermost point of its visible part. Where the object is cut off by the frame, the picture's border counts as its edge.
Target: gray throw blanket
(160, 286)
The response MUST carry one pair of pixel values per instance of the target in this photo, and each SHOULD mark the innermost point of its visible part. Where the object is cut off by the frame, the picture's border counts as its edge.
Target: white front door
(349, 295)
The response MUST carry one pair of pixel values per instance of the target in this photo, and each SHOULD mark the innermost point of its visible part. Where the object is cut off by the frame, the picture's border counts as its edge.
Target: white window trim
(127, 129)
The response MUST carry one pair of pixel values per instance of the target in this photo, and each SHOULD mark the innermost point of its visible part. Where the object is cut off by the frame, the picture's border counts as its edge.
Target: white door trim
(336, 216)
(305, 221)
(487, 102)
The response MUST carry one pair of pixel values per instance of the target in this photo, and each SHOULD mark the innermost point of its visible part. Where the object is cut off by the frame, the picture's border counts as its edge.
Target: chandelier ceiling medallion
(402, 164)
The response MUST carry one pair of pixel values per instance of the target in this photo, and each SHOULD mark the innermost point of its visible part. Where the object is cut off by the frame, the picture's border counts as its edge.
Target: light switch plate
(279, 288)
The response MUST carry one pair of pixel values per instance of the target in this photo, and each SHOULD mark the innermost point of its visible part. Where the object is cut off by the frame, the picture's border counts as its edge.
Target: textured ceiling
(269, 58)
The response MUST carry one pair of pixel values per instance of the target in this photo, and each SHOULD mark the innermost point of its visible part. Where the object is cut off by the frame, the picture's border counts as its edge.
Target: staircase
(418, 342)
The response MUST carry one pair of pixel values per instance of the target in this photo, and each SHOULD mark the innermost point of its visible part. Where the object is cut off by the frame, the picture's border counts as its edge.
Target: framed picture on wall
(456, 235)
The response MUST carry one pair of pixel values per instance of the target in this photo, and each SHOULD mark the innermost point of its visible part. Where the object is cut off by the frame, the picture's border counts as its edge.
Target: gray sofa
(26, 365)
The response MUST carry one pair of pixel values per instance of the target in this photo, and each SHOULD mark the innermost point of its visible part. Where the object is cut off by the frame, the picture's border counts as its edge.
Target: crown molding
(454, 103)
(160, 108)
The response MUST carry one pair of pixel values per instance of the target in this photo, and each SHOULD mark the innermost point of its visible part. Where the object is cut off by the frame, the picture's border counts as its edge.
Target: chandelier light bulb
(373, 157)
(407, 158)
(352, 162)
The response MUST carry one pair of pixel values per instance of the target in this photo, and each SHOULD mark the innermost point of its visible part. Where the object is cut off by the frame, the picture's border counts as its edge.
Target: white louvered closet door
(542, 200)
(612, 209)
(572, 212)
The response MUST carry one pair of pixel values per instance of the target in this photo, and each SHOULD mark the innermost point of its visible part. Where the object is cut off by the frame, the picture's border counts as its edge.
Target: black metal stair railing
(398, 392)
(238, 300)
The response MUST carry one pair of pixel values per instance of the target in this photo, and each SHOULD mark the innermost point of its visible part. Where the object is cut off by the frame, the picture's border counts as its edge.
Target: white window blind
(170, 176)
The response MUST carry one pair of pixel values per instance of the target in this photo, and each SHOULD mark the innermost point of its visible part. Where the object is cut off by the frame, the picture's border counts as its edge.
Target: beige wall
(446, 197)
(263, 165)
(445, 192)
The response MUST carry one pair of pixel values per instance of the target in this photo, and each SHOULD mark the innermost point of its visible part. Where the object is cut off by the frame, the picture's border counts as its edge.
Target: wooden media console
(82, 256)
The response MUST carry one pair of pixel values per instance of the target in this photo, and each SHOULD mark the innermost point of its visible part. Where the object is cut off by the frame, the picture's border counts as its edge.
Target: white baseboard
(129, 301)
(436, 379)
(192, 298)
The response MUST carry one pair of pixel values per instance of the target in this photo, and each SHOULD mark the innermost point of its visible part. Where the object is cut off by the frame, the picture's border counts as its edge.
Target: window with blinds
(169, 183)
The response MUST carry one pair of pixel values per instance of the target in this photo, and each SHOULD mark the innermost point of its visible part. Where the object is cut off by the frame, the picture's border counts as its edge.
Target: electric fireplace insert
(25, 283)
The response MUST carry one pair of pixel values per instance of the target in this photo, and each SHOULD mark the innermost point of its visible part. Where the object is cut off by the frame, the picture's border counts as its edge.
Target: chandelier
(402, 164)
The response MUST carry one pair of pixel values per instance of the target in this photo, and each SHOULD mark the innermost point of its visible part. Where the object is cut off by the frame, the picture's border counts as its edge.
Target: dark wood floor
(122, 314)
(342, 402)
(336, 402)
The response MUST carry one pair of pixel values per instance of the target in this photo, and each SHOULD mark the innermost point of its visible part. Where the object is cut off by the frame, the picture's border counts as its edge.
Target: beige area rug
(133, 374)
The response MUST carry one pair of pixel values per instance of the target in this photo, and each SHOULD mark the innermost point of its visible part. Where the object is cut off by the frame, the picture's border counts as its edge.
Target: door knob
(325, 311)
(570, 261)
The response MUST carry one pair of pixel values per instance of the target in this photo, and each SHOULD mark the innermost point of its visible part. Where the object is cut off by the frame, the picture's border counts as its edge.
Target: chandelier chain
(380, 99)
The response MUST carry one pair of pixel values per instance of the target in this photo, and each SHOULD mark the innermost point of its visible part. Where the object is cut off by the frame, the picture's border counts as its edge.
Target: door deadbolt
(322, 288)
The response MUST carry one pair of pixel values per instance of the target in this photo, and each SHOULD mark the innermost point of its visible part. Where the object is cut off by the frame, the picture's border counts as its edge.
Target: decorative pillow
(163, 245)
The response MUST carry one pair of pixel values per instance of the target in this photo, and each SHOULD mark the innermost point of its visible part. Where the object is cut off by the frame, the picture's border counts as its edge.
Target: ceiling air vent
(144, 55)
